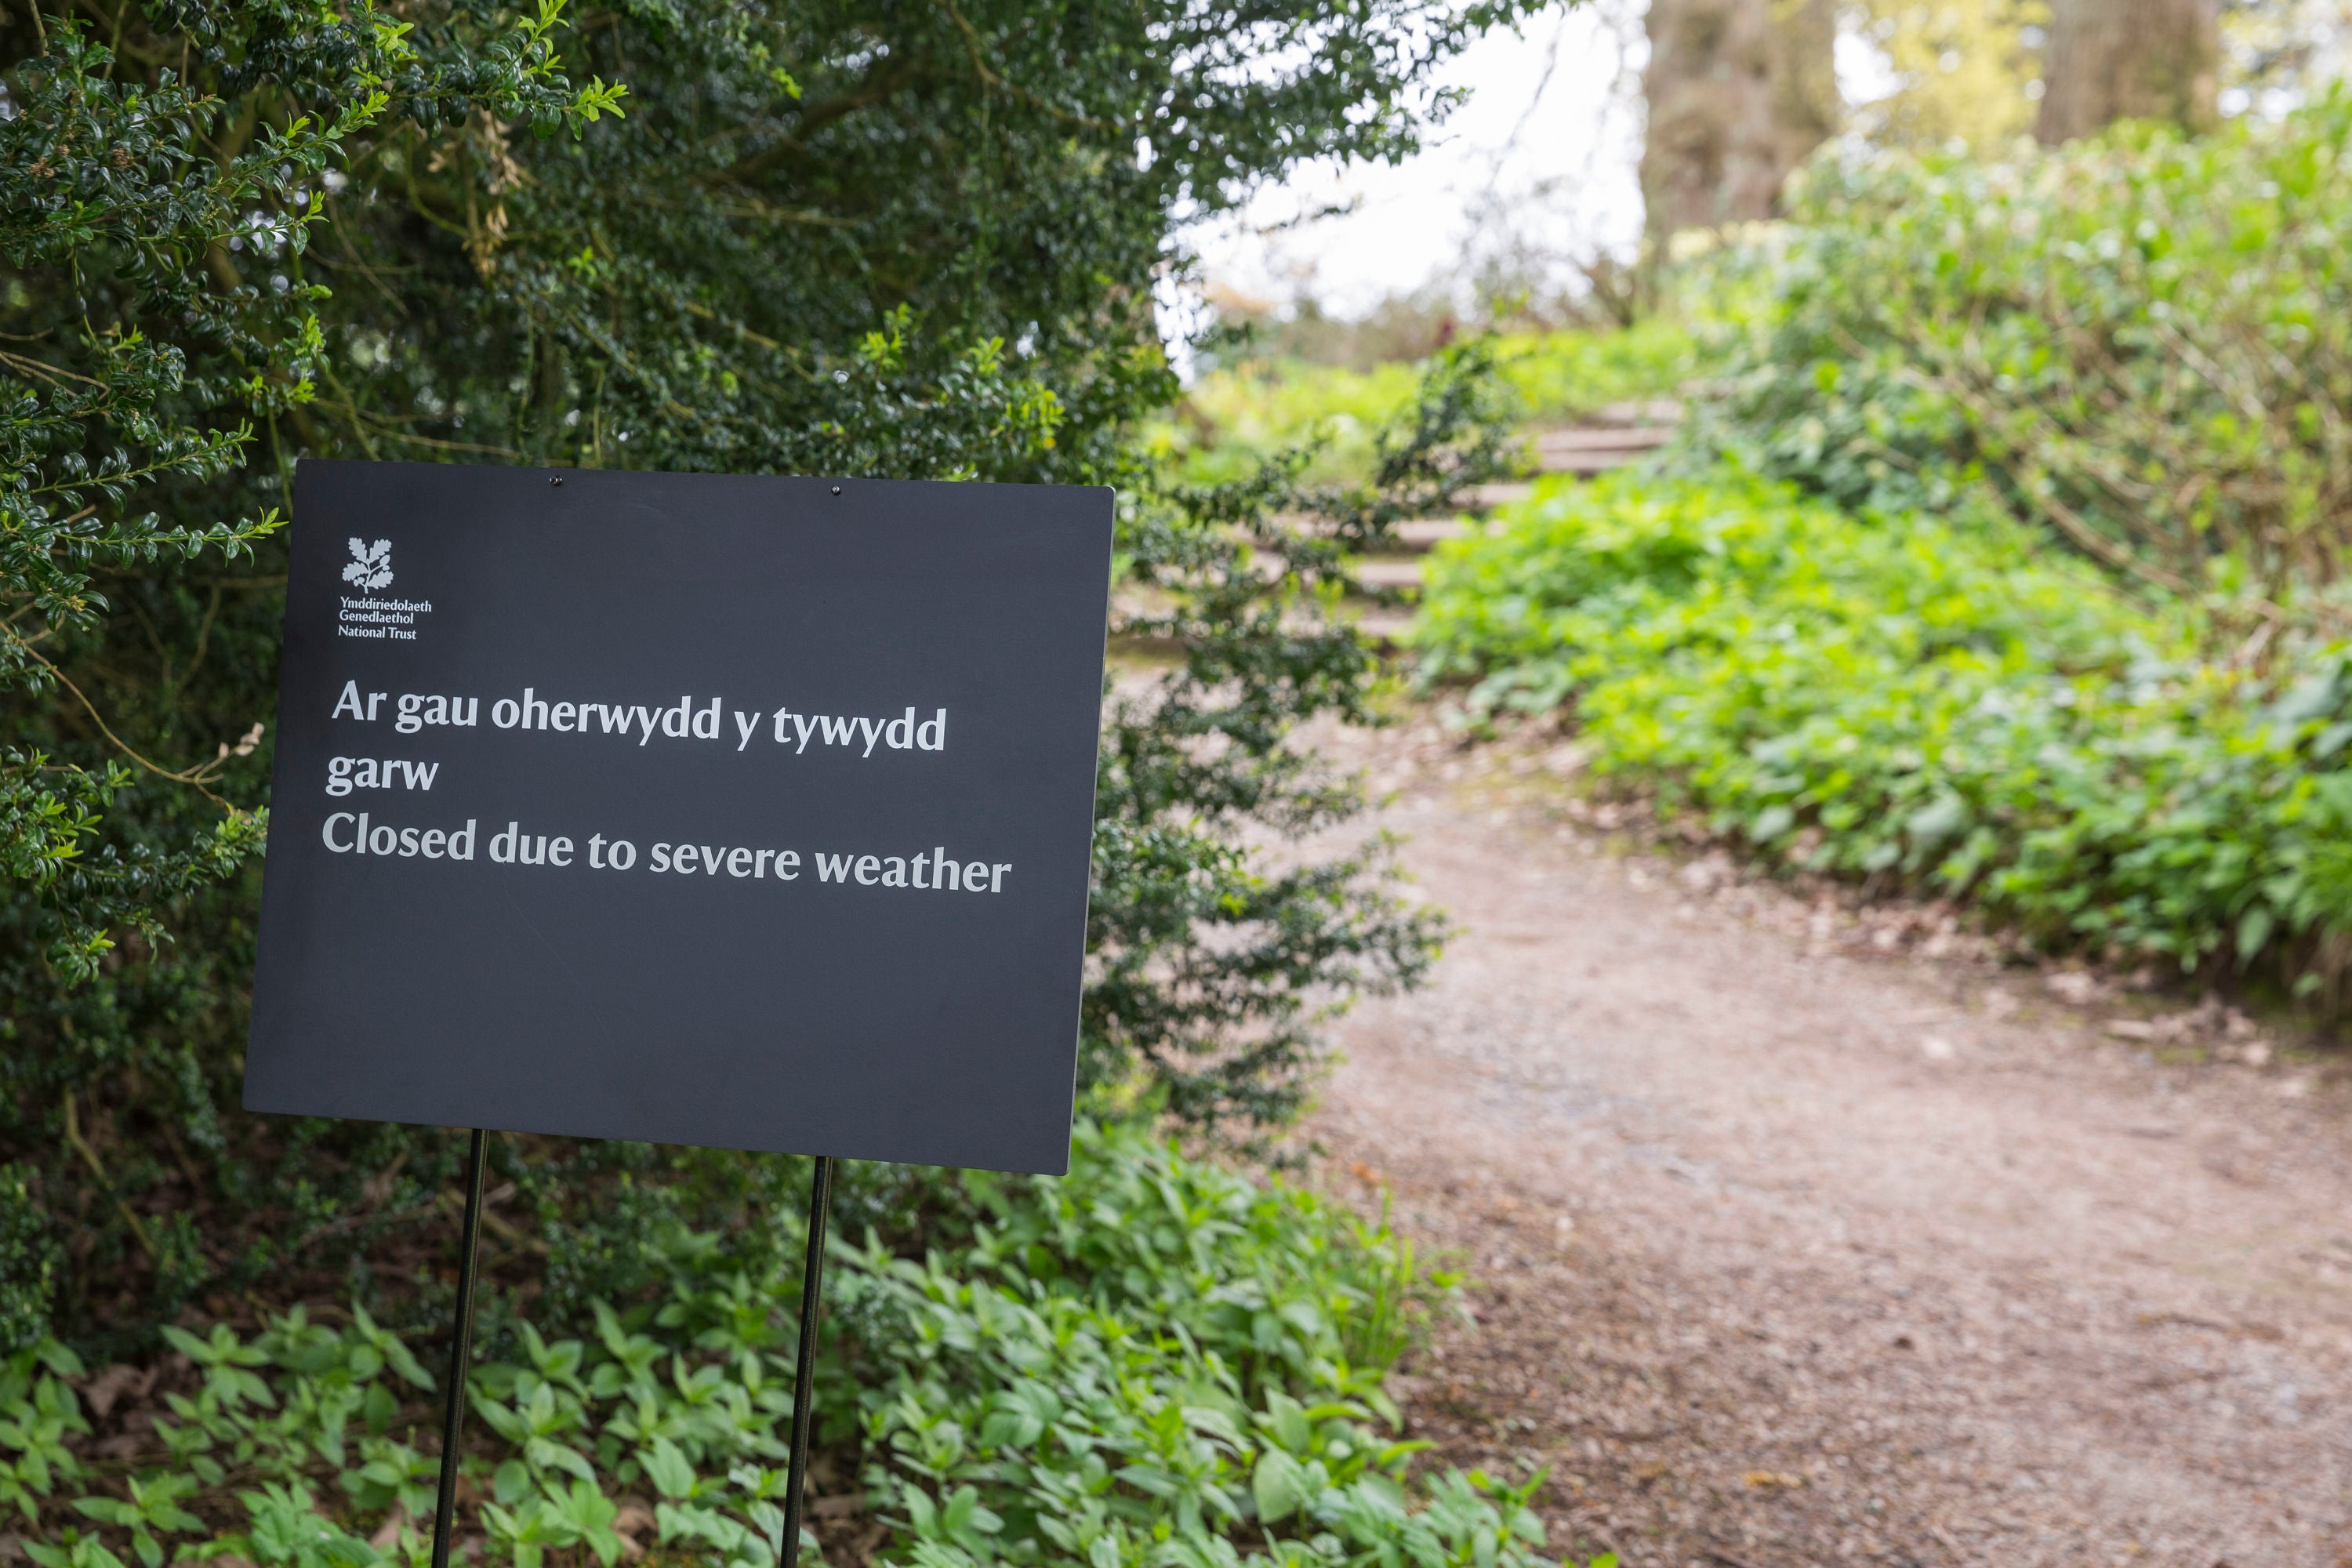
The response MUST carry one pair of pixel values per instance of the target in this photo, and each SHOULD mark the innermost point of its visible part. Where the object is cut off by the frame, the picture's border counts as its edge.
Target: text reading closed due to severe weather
(397, 820)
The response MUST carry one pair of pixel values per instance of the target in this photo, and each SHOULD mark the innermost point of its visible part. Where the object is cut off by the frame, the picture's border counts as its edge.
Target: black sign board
(744, 812)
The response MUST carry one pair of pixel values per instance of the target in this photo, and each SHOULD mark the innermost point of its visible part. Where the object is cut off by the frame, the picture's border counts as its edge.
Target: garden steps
(1582, 449)
(1617, 435)
(1596, 449)
(1389, 573)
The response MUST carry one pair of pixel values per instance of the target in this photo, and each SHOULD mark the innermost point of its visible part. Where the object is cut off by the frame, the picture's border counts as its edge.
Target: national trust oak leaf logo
(387, 619)
(370, 565)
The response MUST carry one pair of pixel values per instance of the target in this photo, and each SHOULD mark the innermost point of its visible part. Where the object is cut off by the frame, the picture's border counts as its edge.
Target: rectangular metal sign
(744, 812)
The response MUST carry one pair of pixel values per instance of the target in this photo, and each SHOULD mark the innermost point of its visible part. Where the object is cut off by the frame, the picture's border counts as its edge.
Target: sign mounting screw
(836, 489)
(555, 480)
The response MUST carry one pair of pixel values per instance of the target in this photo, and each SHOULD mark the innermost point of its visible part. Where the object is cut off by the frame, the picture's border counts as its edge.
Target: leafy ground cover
(1240, 416)
(1918, 699)
(1150, 1361)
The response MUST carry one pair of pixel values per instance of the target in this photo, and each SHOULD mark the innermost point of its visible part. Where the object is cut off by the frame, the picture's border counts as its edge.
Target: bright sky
(1541, 160)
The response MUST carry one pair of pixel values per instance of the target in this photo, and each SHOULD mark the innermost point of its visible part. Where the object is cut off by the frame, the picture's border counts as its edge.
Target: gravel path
(1787, 1253)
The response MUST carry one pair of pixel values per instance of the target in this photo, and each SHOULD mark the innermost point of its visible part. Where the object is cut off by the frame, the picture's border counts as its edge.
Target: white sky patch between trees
(1539, 162)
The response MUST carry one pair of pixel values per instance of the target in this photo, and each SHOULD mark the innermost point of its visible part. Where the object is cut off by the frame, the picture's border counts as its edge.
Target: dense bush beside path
(2140, 341)
(1941, 703)
(704, 236)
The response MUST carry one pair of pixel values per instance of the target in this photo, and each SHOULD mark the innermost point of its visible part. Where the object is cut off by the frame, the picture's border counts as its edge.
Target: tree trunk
(1738, 92)
(2116, 59)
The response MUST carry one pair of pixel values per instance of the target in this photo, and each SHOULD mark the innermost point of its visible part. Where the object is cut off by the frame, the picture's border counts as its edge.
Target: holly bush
(900, 240)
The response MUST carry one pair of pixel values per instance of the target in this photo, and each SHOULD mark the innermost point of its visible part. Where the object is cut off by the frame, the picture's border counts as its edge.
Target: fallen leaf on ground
(100, 1392)
(388, 1532)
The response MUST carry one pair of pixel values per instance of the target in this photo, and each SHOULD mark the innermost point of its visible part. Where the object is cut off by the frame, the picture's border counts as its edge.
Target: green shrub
(1151, 1359)
(2142, 342)
(1919, 701)
(1242, 413)
(1569, 374)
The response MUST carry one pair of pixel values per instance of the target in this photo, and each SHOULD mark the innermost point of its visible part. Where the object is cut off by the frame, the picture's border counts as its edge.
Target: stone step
(1487, 497)
(1586, 465)
(1389, 573)
(1604, 438)
(1588, 449)
(1658, 411)
(1425, 533)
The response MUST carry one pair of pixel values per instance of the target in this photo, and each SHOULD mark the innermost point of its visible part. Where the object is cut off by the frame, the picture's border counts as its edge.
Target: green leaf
(59, 1359)
(1277, 1484)
(2254, 928)
(1946, 817)
(1285, 1421)
(666, 1465)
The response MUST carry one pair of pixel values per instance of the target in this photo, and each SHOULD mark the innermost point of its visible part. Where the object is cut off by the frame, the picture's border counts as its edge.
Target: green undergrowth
(1241, 415)
(1154, 1361)
(1934, 702)
(1569, 374)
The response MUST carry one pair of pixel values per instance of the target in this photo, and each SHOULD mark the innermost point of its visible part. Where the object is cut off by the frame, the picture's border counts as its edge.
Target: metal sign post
(461, 1350)
(461, 1347)
(804, 1367)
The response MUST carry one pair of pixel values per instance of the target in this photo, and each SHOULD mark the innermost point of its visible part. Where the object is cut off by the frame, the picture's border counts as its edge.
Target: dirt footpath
(1788, 1253)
